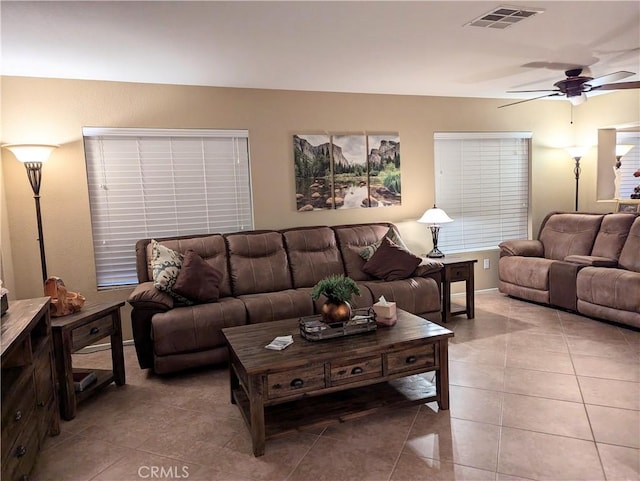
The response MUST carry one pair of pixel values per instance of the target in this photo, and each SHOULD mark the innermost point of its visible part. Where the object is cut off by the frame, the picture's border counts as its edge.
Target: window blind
(158, 183)
(482, 183)
(630, 163)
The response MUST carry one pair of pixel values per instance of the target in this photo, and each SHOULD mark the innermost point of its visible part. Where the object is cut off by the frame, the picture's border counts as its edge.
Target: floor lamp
(33, 156)
(577, 153)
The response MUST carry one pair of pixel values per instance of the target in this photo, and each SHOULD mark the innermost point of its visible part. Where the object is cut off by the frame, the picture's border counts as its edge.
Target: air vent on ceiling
(503, 17)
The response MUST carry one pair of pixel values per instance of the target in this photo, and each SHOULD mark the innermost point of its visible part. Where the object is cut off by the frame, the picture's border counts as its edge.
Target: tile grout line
(584, 404)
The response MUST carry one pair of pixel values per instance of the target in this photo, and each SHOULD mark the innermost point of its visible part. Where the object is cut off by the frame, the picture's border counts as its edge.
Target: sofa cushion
(569, 234)
(313, 255)
(198, 281)
(615, 288)
(630, 255)
(258, 263)
(612, 235)
(352, 239)
(195, 328)
(166, 264)
(275, 306)
(391, 262)
(419, 295)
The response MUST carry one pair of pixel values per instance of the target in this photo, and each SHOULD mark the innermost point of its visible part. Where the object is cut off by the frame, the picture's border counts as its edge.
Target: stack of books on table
(83, 378)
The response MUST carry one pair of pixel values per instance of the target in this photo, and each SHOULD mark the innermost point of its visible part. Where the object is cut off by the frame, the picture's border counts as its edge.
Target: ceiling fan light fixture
(578, 99)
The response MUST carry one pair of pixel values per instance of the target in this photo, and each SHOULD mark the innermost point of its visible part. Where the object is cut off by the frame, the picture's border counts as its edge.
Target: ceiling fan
(578, 83)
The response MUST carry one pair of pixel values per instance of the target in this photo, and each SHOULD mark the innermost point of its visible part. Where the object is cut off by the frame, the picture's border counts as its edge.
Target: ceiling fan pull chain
(571, 113)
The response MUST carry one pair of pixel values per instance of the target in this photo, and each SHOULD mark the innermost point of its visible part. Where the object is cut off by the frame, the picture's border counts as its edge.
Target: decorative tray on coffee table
(313, 328)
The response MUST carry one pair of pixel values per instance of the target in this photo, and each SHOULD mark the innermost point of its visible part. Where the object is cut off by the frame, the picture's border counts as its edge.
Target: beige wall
(54, 111)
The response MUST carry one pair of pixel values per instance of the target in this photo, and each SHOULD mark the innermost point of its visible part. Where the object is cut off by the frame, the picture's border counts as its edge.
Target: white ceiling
(416, 47)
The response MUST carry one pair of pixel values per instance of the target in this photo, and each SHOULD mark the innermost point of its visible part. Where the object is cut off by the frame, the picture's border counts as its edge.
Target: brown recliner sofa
(551, 269)
(267, 276)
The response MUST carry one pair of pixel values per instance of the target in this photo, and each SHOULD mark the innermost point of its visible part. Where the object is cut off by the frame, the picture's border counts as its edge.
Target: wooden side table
(457, 269)
(71, 333)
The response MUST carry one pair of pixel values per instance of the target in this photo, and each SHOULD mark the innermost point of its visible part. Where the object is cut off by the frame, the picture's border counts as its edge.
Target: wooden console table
(323, 382)
(29, 400)
(457, 269)
(73, 332)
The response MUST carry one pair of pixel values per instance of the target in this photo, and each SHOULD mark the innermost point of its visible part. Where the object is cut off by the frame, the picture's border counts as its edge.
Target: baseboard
(101, 347)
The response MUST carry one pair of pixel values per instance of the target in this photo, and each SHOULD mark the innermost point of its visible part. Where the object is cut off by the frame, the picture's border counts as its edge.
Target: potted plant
(338, 290)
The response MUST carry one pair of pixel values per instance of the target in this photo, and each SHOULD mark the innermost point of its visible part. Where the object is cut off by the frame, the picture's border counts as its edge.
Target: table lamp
(434, 217)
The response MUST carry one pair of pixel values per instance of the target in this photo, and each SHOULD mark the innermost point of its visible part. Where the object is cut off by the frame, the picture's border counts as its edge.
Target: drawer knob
(18, 415)
(94, 330)
(357, 370)
(297, 383)
(41, 404)
(21, 451)
(411, 359)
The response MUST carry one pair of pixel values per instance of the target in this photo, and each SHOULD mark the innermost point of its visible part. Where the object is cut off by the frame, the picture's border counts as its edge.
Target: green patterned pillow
(166, 264)
(392, 235)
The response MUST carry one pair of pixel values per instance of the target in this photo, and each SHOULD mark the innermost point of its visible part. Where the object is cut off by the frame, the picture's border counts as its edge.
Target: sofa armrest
(427, 267)
(521, 247)
(146, 296)
(593, 261)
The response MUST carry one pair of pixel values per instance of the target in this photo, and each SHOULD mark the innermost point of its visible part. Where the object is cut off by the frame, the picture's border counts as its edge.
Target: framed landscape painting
(346, 171)
(312, 165)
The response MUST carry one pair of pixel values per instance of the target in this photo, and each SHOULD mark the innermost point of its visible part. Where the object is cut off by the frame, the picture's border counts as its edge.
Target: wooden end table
(71, 333)
(457, 269)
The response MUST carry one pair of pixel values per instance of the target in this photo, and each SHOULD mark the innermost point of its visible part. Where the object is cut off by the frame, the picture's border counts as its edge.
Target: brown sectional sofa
(588, 263)
(267, 275)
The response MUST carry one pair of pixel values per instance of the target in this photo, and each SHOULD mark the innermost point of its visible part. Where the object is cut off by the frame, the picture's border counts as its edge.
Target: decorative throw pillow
(391, 262)
(165, 265)
(198, 280)
(391, 234)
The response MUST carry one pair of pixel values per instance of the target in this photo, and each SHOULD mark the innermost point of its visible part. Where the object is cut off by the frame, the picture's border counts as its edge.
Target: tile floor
(536, 394)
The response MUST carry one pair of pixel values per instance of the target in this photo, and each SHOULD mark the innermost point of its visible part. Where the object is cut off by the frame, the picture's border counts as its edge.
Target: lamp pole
(34, 172)
(577, 152)
(576, 171)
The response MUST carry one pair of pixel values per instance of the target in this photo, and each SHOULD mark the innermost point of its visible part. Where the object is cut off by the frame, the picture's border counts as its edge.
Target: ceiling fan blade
(618, 86)
(612, 77)
(528, 100)
(525, 91)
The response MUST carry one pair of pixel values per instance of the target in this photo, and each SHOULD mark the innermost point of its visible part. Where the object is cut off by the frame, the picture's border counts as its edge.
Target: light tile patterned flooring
(536, 393)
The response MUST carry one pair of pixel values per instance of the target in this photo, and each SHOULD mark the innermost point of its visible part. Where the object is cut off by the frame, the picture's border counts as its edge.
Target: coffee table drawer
(354, 370)
(289, 383)
(411, 359)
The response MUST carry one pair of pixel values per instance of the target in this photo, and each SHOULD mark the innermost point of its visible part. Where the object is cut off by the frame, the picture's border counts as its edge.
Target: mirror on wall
(616, 173)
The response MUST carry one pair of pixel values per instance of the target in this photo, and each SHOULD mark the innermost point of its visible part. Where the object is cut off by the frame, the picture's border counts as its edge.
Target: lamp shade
(31, 152)
(435, 216)
(577, 151)
(623, 149)
(578, 99)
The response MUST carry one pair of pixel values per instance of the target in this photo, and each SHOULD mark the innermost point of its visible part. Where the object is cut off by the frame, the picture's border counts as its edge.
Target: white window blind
(630, 163)
(158, 183)
(482, 183)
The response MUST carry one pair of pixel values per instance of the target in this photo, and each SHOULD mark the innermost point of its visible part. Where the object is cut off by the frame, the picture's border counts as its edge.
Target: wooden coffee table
(315, 383)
